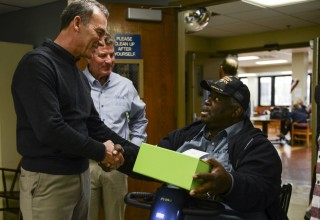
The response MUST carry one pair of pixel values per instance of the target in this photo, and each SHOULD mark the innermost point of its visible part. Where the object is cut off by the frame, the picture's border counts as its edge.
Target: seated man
(299, 114)
(246, 168)
(303, 107)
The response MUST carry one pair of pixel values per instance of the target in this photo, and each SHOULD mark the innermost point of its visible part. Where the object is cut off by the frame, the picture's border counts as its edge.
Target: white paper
(195, 153)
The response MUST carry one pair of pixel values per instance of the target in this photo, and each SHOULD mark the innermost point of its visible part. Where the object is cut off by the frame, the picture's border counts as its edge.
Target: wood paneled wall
(159, 54)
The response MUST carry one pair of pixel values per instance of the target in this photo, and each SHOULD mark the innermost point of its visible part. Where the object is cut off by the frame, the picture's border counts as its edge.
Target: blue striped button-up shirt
(119, 106)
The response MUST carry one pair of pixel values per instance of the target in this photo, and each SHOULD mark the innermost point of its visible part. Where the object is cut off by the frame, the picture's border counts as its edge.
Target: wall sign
(127, 46)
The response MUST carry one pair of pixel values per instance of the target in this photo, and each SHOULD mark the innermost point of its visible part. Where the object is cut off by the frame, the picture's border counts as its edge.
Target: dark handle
(132, 199)
(144, 200)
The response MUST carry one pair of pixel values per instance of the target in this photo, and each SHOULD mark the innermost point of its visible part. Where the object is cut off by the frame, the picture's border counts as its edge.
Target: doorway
(199, 66)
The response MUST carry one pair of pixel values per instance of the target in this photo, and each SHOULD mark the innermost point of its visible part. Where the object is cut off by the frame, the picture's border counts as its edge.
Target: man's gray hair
(83, 9)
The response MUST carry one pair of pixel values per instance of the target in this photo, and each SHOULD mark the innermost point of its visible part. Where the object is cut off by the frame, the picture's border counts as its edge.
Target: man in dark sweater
(58, 128)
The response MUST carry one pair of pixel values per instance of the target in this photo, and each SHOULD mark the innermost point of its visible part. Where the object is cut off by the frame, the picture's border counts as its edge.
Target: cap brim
(205, 85)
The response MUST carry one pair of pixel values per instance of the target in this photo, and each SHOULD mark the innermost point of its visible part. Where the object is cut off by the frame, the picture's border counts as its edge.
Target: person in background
(228, 67)
(300, 113)
(302, 107)
(120, 107)
(58, 127)
(245, 167)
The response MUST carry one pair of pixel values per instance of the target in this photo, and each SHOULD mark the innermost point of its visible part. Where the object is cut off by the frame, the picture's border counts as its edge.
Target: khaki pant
(107, 191)
(54, 197)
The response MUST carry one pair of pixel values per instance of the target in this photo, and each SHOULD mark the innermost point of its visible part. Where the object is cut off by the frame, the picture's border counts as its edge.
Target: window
(245, 81)
(133, 70)
(265, 91)
(275, 90)
(282, 95)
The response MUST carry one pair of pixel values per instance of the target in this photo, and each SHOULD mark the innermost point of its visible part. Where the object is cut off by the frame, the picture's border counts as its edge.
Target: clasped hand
(113, 158)
(218, 181)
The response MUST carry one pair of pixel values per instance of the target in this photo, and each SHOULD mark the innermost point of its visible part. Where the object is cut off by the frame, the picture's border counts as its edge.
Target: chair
(10, 190)
(285, 197)
(300, 131)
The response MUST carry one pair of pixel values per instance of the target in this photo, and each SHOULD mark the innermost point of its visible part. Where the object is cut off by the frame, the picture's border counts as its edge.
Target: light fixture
(243, 58)
(267, 62)
(273, 3)
(195, 20)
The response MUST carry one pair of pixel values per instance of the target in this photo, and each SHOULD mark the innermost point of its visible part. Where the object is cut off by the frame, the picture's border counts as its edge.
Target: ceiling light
(273, 3)
(247, 74)
(195, 20)
(248, 58)
(266, 62)
(288, 72)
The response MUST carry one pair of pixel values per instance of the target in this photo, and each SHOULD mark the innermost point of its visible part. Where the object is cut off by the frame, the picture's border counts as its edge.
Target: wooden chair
(9, 191)
(300, 131)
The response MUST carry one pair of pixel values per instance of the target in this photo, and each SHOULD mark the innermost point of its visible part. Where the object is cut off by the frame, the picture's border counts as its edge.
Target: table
(265, 120)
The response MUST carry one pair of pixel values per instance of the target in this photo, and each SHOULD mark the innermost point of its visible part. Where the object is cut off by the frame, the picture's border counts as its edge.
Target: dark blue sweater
(58, 128)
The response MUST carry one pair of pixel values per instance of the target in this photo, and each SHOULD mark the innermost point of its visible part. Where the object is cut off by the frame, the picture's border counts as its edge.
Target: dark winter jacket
(256, 168)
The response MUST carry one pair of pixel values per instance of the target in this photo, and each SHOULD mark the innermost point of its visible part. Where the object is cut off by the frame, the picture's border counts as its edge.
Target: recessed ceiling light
(273, 3)
(266, 62)
(248, 58)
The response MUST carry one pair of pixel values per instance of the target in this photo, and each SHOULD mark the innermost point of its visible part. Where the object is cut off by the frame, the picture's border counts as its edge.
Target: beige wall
(10, 55)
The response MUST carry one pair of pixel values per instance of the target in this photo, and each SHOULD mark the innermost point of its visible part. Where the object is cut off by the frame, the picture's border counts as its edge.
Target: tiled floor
(296, 162)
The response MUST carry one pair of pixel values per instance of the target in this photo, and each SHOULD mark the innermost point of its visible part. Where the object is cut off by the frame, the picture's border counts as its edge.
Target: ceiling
(240, 18)
(7, 6)
(230, 19)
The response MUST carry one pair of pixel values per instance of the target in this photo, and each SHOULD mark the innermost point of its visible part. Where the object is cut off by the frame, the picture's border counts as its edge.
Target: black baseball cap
(229, 86)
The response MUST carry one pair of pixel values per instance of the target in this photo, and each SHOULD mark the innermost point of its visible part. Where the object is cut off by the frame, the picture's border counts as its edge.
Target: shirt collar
(234, 129)
(228, 132)
(92, 80)
(59, 50)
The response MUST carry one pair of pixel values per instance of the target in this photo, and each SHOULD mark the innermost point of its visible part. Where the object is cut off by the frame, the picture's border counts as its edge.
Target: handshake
(113, 158)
